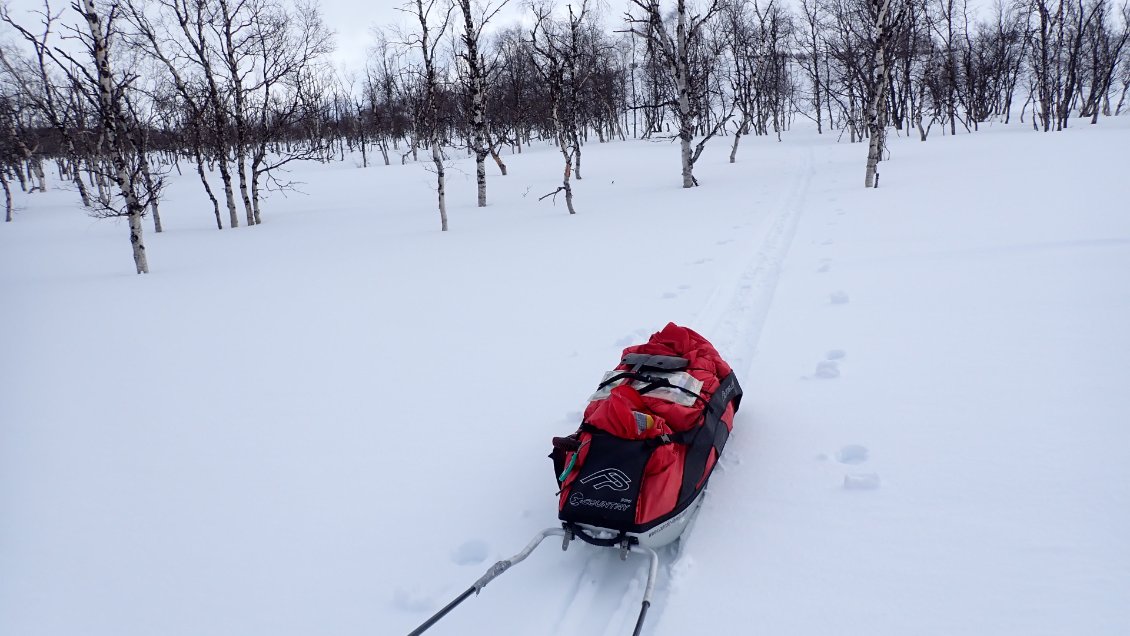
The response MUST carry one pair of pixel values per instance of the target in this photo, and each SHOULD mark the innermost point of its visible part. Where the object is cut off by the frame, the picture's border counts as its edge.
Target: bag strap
(652, 383)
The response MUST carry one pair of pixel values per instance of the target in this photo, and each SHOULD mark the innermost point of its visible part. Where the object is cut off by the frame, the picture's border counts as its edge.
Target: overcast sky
(352, 21)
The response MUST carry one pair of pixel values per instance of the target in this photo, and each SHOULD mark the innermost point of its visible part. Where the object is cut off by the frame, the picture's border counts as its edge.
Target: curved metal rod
(491, 574)
(652, 574)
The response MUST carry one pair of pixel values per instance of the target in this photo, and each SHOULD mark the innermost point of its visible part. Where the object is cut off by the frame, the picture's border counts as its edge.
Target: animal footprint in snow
(827, 242)
(852, 454)
(675, 294)
(471, 552)
(862, 481)
(725, 242)
(412, 600)
(825, 265)
(631, 338)
(838, 298)
(702, 261)
(828, 369)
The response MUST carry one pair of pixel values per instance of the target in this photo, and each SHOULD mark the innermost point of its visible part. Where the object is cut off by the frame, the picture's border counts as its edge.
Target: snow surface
(335, 422)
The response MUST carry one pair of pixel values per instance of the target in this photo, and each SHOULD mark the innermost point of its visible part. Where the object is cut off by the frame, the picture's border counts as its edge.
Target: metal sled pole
(504, 565)
(493, 572)
(652, 571)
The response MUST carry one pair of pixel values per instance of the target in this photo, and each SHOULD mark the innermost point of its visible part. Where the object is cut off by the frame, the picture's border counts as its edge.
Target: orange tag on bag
(644, 422)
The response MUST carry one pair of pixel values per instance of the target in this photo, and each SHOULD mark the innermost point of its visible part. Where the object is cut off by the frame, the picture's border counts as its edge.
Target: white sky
(352, 21)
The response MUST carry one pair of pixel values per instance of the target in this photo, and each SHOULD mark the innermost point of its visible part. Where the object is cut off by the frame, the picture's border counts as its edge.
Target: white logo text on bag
(612, 478)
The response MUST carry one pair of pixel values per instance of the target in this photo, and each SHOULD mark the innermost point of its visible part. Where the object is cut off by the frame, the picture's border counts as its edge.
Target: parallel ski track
(604, 600)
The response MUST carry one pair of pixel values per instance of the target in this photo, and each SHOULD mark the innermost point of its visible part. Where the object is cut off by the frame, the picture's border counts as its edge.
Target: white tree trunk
(737, 138)
(876, 110)
(431, 109)
(239, 94)
(111, 120)
(7, 197)
(37, 168)
(437, 158)
(682, 84)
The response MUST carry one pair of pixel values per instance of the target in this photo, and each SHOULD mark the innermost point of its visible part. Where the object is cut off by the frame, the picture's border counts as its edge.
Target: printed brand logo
(577, 499)
(726, 393)
(663, 527)
(613, 478)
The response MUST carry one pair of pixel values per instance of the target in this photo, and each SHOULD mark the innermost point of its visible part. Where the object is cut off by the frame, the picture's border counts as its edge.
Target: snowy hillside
(336, 421)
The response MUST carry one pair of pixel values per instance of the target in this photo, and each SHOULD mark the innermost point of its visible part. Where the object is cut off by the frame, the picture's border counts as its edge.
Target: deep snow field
(336, 421)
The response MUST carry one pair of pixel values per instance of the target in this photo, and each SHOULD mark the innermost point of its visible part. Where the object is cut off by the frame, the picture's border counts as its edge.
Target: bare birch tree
(887, 14)
(125, 171)
(288, 47)
(163, 47)
(550, 46)
(41, 92)
(434, 20)
(476, 88)
(675, 50)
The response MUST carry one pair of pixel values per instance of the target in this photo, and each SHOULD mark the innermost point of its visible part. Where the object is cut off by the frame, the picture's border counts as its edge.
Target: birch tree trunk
(111, 121)
(476, 82)
(563, 145)
(674, 54)
(198, 156)
(876, 111)
(437, 159)
(494, 153)
(431, 107)
(737, 137)
(686, 117)
(150, 186)
(240, 116)
(7, 197)
(37, 170)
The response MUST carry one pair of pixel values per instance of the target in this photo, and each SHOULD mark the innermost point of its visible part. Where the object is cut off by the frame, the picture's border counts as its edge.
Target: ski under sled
(626, 542)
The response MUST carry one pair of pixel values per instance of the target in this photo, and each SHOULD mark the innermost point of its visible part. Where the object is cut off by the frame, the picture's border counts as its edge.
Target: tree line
(117, 94)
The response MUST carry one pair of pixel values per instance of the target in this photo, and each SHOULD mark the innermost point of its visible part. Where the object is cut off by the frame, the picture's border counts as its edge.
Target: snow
(336, 421)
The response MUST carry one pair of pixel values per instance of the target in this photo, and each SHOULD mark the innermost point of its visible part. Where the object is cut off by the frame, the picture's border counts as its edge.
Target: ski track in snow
(603, 595)
(733, 316)
(605, 599)
(732, 320)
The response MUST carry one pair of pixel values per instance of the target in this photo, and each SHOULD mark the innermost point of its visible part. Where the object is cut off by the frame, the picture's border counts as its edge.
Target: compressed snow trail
(605, 599)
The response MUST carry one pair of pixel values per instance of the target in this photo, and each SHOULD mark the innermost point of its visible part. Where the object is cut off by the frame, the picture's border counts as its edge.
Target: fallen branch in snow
(552, 194)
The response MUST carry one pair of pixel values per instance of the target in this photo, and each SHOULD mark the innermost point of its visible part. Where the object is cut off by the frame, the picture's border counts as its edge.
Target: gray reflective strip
(681, 379)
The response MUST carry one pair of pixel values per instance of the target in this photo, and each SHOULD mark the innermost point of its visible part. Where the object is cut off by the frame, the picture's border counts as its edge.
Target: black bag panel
(607, 487)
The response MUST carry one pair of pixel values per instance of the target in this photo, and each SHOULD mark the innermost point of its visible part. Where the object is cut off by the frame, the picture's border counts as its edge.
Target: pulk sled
(632, 476)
